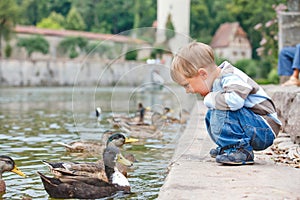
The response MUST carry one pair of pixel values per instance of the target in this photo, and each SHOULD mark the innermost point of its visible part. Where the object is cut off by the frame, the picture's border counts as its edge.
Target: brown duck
(89, 169)
(95, 147)
(83, 187)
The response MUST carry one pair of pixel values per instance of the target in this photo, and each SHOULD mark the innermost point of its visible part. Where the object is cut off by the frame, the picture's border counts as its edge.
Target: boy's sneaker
(236, 157)
(214, 152)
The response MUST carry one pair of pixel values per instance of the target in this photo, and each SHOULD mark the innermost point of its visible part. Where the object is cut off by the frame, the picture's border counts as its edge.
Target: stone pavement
(193, 174)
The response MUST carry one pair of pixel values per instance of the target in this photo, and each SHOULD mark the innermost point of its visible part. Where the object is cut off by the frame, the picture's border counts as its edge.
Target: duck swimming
(7, 164)
(83, 187)
(89, 169)
(118, 139)
(152, 130)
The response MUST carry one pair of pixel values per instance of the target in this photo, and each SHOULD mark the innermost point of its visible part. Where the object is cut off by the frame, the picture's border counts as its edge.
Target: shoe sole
(238, 163)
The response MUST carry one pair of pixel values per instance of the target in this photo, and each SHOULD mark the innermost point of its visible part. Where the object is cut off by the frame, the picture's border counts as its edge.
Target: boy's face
(196, 85)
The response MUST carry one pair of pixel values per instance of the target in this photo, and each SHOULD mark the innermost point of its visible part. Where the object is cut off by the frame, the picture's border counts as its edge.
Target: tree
(33, 11)
(8, 18)
(34, 44)
(169, 32)
(115, 16)
(74, 20)
(70, 46)
(54, 21)
(201, 25)
(88, 12)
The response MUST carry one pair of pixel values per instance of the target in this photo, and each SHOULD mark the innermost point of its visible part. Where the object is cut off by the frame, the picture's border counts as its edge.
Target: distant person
(141, 111)
(241, 117)
(289, 65)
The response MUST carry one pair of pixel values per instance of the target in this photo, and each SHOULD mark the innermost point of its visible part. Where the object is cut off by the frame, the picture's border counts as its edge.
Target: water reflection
(34, 120)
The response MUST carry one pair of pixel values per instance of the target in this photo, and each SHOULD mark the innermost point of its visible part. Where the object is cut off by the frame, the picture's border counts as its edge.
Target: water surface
(34, 120)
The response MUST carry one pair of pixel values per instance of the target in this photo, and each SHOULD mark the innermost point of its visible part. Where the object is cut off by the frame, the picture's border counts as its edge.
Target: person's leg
(296, 61)
(237, 133)
(285, 61)
(294, 77)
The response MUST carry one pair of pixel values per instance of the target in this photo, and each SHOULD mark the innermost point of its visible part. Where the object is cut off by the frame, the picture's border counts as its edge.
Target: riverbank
(193, 174)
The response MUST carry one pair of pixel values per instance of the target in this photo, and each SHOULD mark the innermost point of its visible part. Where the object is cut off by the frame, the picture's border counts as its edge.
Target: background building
(230, 42)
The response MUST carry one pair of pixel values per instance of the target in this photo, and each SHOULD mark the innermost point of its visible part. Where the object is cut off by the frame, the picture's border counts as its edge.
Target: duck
(7, 164)
(98, 115)
(91, 169)
(83, 187)
(137, 118)
(144, 131)
(92, 147)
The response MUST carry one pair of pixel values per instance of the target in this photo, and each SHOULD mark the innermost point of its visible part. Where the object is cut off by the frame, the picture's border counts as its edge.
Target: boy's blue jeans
(241, 129)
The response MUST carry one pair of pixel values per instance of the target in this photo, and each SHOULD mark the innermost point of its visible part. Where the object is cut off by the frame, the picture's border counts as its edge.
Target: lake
(34, 120)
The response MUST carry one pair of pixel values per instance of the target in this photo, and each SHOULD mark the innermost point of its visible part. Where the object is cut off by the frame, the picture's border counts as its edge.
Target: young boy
(241, 117)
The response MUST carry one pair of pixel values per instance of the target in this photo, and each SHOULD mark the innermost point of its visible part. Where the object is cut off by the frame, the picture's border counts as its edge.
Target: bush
(273, 76)
(8, 50)
(248, 66)
(70, 45)
(34, 44)
(131, 55)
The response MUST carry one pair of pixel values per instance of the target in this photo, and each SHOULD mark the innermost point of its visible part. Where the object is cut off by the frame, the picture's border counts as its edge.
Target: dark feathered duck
(91, 188)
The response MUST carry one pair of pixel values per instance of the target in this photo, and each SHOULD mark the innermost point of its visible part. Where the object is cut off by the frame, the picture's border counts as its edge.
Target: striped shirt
(233, 89)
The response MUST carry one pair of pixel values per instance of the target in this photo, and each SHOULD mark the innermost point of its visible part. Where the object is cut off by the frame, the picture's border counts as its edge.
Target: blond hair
(189, 59)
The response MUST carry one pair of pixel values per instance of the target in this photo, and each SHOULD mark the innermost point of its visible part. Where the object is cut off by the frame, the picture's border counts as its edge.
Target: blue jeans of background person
(289, 59)
(242, 129)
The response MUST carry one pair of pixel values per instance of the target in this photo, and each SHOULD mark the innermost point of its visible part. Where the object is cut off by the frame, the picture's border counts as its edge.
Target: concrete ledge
(193, 174)
(287, 101)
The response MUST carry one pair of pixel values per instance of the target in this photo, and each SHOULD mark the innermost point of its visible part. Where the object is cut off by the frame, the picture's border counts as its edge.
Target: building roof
(225, 34)
(73, 33)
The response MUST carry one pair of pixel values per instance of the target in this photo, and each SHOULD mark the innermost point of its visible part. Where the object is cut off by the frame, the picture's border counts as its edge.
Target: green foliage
(157, 51)
(34, 44)
(33, 11)
(58, 18)
(49, 23)
(119, 15)
(72, 46)
(53, 21)
(8, 18)
(116, 16)
(262, 81)
(169, 32)
(218, 60)
(265, 66)
(273, 76)
(8, 50)
(131, 55)
(248, 66)
(74, 20)
(201, 22)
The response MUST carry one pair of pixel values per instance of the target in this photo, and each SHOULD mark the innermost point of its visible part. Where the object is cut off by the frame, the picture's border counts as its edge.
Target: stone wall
(287, 101)
(289, 25)
(72, 72)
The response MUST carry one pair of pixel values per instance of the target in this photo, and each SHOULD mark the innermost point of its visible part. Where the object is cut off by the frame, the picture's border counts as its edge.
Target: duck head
(118, 139)
(8, 164)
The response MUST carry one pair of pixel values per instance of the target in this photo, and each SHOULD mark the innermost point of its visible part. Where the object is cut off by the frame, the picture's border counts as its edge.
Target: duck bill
(17, 171)
(123, 160)
(131, 140)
